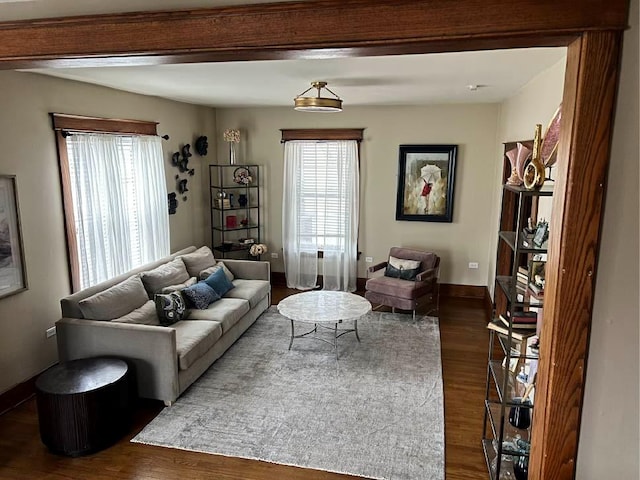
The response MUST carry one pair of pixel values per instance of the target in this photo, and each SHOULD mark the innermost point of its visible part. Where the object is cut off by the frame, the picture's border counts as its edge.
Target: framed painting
(12, 272)
(426, 177)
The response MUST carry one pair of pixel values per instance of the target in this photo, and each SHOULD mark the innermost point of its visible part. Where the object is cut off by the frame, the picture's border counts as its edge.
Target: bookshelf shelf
(235, 210)
(512, 363)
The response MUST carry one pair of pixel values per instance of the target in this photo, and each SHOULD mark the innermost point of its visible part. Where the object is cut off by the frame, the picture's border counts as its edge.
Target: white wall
(536, 102)
(609, 442)
(472, 127)
(29, 152)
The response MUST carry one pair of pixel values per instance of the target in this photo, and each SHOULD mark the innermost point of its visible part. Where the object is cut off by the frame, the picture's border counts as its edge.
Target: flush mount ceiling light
(319, 103)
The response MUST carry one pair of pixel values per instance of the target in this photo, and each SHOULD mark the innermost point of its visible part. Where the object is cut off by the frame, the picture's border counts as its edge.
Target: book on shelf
(528, 322)
(517, 333)
(538, 290)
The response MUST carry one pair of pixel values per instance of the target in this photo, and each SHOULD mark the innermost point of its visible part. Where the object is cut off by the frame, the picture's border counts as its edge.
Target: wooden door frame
(592, 31)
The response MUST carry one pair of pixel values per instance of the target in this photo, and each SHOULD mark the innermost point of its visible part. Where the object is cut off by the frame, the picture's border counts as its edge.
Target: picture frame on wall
(13, 277)
(426, 176)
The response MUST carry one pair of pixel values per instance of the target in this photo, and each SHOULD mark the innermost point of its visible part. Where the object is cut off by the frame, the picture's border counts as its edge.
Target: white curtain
(320, 213)
(119, 197)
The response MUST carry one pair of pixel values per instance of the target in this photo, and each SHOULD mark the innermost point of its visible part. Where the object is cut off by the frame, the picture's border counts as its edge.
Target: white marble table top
(324, 306)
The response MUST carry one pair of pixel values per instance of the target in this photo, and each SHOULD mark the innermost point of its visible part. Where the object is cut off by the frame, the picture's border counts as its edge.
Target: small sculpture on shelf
(242, 176)
(534, 171)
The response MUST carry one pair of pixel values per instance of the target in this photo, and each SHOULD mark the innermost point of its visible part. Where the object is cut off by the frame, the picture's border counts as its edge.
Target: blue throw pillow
(200, 295)
(219, 282)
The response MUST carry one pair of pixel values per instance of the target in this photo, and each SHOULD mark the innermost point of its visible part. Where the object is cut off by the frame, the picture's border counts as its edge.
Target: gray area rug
(376, 412)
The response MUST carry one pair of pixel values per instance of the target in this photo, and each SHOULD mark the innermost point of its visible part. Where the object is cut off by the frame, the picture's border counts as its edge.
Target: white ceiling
(390, 80)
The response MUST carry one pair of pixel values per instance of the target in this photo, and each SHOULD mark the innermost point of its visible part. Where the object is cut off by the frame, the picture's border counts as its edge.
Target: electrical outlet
(50, 332)
(274, 254)
(473, 265)
(368, 259)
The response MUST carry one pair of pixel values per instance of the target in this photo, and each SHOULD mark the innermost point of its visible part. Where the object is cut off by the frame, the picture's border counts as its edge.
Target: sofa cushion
(170, 307)
(200, 295)
(227, 311)
(170, 273)
(219, 282)
(172, 288)
(204, 274)
(115, 301)
(145, 315)
(194, 339)
(197, 261)
(251, 290)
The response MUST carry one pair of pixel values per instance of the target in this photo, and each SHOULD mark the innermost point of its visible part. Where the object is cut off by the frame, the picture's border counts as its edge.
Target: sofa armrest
(249, 269)
(150, 349)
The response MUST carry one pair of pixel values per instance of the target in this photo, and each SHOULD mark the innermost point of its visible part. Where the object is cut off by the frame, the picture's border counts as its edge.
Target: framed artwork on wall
(426, 175)
(13, 278)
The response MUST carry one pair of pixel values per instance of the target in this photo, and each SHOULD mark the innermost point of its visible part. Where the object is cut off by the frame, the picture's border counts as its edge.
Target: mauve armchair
(406, 294)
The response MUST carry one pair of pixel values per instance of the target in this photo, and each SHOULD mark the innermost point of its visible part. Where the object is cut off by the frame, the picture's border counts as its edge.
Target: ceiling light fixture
(319, 103)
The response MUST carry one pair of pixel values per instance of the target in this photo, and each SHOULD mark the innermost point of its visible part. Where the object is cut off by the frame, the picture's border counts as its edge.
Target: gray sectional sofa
(166, 359)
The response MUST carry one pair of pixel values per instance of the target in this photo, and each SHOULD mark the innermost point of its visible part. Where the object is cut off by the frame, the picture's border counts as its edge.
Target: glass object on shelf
(242, 200)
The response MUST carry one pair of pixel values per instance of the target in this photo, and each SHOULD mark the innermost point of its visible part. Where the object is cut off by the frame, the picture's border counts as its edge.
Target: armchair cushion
(397, 287)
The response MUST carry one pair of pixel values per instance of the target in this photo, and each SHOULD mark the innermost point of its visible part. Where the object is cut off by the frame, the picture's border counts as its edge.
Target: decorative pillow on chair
(402, 268)
(170, 307)
(219, 282)
(200, 295)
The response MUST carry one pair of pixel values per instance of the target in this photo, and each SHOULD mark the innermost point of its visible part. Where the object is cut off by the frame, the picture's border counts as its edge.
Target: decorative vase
(517, 158)
(242, 200)
(232, 153)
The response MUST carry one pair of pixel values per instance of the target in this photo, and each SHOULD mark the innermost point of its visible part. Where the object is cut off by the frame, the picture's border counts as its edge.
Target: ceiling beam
(301, 30)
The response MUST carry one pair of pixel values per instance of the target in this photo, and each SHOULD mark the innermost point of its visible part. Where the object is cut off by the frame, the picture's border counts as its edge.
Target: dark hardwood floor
(464, 353)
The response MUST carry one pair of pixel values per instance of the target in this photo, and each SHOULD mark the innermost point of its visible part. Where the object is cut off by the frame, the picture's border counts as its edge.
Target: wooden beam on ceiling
(301, 29)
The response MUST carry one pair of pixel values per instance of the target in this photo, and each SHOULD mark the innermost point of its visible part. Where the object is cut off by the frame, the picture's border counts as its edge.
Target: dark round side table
(84, 405)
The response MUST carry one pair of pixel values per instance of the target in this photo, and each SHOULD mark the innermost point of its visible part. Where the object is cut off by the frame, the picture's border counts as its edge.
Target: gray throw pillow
(173, 288)
(206, 273)
(145, 315)
(170, 273)
(199, 260)
(115, 301)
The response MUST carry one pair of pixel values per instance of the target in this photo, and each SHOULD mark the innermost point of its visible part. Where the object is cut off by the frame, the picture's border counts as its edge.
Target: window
(321, 210)
(115, 200)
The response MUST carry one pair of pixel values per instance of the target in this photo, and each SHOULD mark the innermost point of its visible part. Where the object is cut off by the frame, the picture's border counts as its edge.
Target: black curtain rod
(69, 133)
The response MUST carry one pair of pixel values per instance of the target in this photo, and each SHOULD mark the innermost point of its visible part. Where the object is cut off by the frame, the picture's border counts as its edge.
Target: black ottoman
(84, 405)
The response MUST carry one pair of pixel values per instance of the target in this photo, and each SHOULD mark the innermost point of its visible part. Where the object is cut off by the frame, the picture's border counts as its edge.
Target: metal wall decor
(202, 145)
(173, 203)
(183, 163)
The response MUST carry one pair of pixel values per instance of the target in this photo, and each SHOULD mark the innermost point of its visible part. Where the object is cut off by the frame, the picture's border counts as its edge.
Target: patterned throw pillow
(200, 295)
(402, 268)
(170, 307)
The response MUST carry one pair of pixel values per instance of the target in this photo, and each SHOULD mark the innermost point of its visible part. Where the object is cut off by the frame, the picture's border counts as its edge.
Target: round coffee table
(325, 309)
